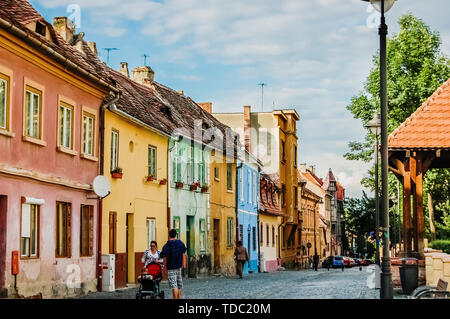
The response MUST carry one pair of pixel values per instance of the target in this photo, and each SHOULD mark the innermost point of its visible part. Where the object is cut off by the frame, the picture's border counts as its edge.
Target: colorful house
(222, 213)
(135, 153)
(269, 213)
(50, 95)
(247, 205)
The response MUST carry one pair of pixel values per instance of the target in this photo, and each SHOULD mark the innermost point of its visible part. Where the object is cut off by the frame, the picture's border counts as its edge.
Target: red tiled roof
(19, 13)
(268, 199)
(428, 127)
(340, 194)
(329, 178)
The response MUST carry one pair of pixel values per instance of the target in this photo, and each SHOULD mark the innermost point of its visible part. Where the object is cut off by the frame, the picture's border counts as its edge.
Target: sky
(314, 55)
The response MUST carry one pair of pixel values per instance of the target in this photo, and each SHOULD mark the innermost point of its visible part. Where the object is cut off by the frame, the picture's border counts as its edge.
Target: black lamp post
(386, 291)
(374, 125)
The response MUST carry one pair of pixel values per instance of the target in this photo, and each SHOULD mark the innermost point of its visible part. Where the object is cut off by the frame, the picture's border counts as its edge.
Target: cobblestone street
(305, 284)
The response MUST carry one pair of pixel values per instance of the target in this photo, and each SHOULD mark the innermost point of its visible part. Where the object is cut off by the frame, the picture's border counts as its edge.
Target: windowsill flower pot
(163, 182)
(117, 173)
(193, 187)
(204, 189)
(178, 184)
(150, 178)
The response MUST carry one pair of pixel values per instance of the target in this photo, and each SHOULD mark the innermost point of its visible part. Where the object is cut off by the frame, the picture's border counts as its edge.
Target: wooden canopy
(418, 144)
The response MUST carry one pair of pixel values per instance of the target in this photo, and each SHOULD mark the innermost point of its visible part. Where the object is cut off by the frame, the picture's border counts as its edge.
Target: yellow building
(135, 161)
(222, 213)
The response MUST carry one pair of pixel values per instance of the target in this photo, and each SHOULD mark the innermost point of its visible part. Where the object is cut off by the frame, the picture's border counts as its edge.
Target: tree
(416, 67)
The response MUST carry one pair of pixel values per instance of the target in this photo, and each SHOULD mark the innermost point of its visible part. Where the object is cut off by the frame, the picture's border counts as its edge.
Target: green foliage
(443, 245)
(415, 69)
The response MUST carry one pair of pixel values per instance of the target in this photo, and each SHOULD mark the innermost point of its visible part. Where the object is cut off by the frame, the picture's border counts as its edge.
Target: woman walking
(241, 257)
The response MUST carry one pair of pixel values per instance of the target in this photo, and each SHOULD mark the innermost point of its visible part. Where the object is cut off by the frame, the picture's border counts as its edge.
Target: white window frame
(152, 161)
(25, 229)
(88, 133)
(29, 127)
(250, 190)
(114, 149)
(5, 104)
(66, 110)
(241, 176)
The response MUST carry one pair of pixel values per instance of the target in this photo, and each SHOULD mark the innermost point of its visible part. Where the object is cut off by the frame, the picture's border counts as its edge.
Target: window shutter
(91, 230)
(69, 230)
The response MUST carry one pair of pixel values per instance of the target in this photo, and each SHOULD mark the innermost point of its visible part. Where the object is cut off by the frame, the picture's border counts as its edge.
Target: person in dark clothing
(241, 257)
(316, 261)
(174, 251)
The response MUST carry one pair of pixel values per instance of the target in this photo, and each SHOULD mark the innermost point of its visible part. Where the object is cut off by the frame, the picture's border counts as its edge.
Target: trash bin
(409, 275)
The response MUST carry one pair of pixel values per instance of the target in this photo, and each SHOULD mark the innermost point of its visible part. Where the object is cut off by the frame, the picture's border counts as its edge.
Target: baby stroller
(149, 282)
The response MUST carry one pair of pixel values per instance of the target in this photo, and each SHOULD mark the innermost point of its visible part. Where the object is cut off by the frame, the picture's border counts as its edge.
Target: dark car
(333, 262)
(357, 260)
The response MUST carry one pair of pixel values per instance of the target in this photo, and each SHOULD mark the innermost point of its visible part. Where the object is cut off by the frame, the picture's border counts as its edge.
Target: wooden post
(407, 209)
(420, 226)
(413, 171)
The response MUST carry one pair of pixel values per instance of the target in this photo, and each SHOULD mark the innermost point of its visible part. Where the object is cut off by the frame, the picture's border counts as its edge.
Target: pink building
(50, 96)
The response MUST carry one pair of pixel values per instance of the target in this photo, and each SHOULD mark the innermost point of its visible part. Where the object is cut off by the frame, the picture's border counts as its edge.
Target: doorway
(3, 220)
(190, 245)
(130, 248)
(216, 245)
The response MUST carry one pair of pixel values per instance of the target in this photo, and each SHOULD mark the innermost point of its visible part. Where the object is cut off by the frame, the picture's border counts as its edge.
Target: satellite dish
(101, 186)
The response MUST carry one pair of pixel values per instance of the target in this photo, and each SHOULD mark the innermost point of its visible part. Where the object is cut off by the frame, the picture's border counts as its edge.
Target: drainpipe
(100, 201)
(237, 200)
(257, 216)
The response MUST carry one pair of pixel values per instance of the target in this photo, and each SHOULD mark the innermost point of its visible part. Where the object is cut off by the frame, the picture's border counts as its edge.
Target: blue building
(247, 219)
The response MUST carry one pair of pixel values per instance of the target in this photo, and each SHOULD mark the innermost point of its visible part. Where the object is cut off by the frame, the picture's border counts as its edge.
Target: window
(152, 161)
(249, 184)
(190, 166)
(176, 166)
(151, 230)
(202, 234)
(283, 239)
(87, 231)
(30, 230)
(216, 173)
(202, 168)
(254, 238)
(261, 234)
(241, 171)
(4, 102)
(283, 196)
(112, 232)
(88, 134)
(267, 235)
(176, 225)
(299, 237)
(63, 217)
(33, 102)
(295, 156)
(229, 231)
(295, 196)
(114, 149)
(273, 236)
(66, 125)
(283, 154)
(229, 177)
(241, 232)
(255, 188)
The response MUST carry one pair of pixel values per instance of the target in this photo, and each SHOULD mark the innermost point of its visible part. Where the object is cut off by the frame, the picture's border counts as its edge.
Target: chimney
(312, 169)
(247, 126)
(181, 92)
(124, 69)
(65, 28)
(207, 106)
(93, 47)
(303, 167)
(143, 75)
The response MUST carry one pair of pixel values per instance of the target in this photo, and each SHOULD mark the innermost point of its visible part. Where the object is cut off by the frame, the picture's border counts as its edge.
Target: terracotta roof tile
(428, 127)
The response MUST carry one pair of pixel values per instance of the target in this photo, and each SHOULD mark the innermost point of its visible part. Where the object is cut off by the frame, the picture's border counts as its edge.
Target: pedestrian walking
(151, 255)
(241, 257)
(174, 251)
(316, 261)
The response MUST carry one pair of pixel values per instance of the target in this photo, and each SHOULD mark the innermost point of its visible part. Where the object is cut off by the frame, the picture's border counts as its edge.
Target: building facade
(272, 138)
(50, 150)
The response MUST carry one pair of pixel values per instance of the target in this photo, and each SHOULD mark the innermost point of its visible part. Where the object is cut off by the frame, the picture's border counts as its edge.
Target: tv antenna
(262, 94)
(109, 50)
(145, 55)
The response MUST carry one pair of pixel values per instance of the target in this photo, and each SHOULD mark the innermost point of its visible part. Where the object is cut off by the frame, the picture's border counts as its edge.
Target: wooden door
(216, 245)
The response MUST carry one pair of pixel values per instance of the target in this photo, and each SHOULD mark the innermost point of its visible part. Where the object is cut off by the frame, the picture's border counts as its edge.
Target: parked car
(333, 262)
(352, 262)
(357, 261)
(363, 262)
(347, 263)
(369, 261)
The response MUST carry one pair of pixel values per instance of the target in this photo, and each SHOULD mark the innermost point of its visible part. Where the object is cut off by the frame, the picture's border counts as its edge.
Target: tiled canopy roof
(428, 127)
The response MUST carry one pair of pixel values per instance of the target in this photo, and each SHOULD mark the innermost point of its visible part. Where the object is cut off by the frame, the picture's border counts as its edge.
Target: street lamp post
(386, 291)
(374, 125)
